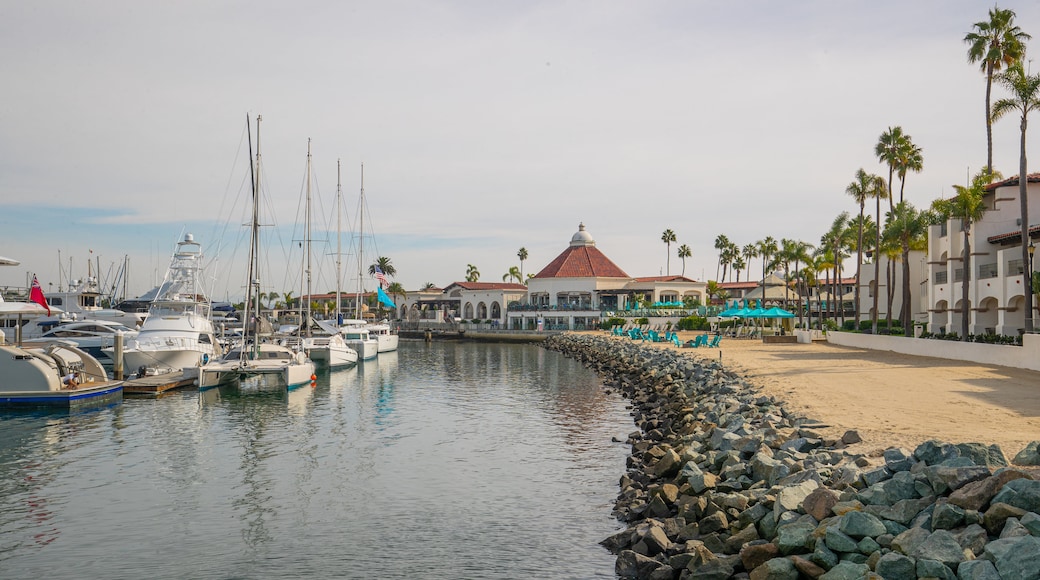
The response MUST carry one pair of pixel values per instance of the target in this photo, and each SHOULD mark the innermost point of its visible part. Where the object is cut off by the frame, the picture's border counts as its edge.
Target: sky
(483, 127)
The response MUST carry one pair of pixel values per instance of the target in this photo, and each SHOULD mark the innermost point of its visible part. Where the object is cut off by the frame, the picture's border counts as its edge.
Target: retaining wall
(1026, 356)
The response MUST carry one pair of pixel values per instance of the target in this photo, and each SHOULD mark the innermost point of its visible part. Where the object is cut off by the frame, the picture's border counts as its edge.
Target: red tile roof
(1013, 180)
(664, 279)
(487, 286)
(582, 262)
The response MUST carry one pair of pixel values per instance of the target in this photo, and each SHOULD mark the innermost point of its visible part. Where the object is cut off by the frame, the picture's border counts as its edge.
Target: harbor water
(442, 460)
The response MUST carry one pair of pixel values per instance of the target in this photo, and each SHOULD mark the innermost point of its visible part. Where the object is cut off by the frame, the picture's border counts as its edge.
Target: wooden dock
(156, 384)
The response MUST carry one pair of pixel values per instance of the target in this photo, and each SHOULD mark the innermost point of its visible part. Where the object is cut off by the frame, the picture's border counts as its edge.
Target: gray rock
(934, 569)
(713, 523)
(942, 546)
(775, 569)
(876, 475)
(838, 541)
(846, 571)
(1021, 493)
(1015, 557)
(897, 459)
(974, 538)
(977, 495)
(945, 478)
(895, 566)
(823, 557)
(1031, 521)
(947, 516)
(820, 503)
(908, 541)
(997, 515)
(977, 570)
(868, 546)
(851, 438)
(934, 452)
(860, 524)
(752, 514)
(632, 565)
(718, 569)
(989, 456)
(792, 496)
(1028, 456)
(794, 538)
(1013, 529)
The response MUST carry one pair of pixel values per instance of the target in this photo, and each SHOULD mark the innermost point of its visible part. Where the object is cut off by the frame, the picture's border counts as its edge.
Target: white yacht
(264, 359)
(357, 336)
(384, 335)
(178, 332)
(330, 349)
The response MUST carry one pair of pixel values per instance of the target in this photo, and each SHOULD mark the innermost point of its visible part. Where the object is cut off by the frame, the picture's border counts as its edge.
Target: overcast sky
(483, 127)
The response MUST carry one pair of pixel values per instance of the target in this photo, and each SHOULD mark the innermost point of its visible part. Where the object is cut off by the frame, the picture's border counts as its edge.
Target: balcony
(987, 271)
(941, 277)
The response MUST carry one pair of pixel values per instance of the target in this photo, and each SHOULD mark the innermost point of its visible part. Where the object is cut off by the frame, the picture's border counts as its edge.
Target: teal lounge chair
(715, 341)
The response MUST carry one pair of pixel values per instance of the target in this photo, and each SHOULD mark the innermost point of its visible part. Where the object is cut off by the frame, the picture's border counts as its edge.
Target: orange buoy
(314, 377)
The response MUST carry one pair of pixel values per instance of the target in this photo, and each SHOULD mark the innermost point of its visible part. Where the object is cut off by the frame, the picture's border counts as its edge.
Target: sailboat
(329, 348)
(254, 357)
(355, 330)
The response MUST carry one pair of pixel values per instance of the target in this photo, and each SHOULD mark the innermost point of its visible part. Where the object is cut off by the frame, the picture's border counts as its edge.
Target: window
(941, 277)
(1015, 267)
(958, 274)
(987, 271)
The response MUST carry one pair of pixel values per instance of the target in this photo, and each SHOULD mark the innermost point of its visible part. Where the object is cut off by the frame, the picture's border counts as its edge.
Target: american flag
(383, 282)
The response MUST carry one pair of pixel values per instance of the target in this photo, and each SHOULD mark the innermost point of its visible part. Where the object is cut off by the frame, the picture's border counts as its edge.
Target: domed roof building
(582, 284)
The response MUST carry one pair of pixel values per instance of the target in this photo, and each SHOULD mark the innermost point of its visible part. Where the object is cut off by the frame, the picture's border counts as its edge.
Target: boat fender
(205, 358)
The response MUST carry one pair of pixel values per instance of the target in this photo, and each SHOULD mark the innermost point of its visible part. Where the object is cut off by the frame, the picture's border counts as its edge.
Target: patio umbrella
(777, 312)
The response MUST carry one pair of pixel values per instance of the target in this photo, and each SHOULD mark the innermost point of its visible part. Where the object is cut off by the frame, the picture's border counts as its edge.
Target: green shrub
(611, 323)
(692, 323)
(642, 321)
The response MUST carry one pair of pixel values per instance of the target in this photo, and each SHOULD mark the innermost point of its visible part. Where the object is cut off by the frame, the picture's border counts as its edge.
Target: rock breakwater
(723, 482)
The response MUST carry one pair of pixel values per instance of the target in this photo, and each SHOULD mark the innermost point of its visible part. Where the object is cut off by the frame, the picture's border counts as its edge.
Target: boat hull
(387, 342)
(366, 349)
(98, 395)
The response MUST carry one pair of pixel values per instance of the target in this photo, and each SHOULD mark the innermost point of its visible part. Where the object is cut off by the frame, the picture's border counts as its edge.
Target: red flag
(36, 295)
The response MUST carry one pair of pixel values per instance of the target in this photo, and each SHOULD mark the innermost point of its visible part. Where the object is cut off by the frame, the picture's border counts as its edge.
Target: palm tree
(472, 273)
(908, 158)
(767, 249)
(910, 228)
(668, 237)
(712, 289)
(887, 151)
(890, 248)
(800, 254)
(729, 255)
(836, 240)
(1025, 91)
(384, 264)
(878, 192)
(522, 254)
(738, 265)
(684, 252)
(396, 290)
(860, 191)
(749, 251)
(968, 206)
(428, 286)
(721, 243)
(995, 43)
(288, 299)
(513, 274)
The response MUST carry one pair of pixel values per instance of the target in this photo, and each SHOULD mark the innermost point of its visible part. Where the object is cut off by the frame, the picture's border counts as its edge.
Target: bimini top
(582, 259)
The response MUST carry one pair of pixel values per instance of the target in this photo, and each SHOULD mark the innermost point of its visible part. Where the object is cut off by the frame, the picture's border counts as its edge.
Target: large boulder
(1028, 456)
(1015, 557)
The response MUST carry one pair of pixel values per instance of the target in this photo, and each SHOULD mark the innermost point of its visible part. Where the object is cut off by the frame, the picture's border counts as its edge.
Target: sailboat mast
(361, 244)
(307, 235)
(254, 176)
(339, 238)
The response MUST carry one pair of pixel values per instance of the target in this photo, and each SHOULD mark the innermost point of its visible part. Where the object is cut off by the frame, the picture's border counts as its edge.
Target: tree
(668, 237)
(712, 289)
(994, 44)
(738, 265)
(522, 254)
(908, 158)
(472, 273)
(288, 299)
(836, 240)
(1025, 91)
(749, 251)
(887, 151)
(729, 255)
(428, 286)
(385, 265)
(860, 190)
(968, 206)
(513, 274)
(396, 291)
(684, 252)
(721, 243)
(910, 228)
(766, 249)
(800, 254)
(878, 192)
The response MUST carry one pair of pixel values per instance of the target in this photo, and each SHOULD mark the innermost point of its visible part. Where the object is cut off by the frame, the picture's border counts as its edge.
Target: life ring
(205, 358)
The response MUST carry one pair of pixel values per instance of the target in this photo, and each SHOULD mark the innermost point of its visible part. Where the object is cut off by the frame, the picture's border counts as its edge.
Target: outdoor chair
(715, 341)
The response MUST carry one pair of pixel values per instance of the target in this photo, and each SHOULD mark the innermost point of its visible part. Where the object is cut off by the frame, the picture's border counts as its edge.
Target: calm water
(438, 461)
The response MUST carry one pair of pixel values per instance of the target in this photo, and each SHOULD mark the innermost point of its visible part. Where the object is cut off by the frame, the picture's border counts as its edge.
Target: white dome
(582, 237)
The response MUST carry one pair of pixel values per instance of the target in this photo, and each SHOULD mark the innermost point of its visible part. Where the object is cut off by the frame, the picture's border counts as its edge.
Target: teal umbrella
(777, 312)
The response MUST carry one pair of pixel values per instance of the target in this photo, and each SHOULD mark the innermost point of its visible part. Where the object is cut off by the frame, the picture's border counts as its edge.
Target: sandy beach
(890, 399)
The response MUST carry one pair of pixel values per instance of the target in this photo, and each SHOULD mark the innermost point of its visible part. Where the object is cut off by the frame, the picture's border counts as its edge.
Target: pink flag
(36, 295)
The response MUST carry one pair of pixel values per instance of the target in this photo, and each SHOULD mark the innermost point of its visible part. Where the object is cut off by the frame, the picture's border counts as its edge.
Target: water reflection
(439, 460)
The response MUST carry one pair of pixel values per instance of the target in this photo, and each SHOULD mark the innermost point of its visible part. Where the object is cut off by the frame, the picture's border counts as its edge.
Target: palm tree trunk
(859, 262)
(989, 122)
(905, 317)
(1027, 274)
(877, 268)
(965, 278)
(890, 274)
